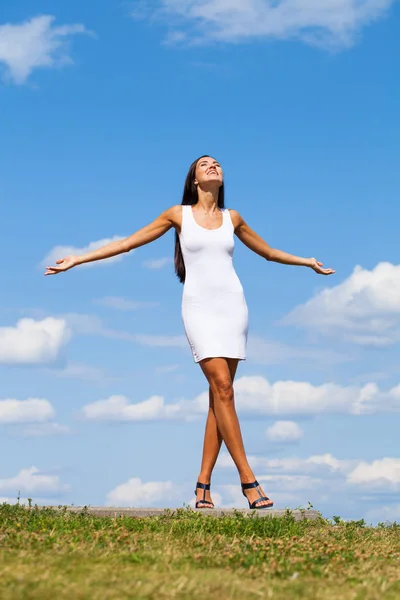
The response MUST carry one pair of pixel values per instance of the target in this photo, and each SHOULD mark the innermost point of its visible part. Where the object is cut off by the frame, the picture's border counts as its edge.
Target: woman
(214, 309)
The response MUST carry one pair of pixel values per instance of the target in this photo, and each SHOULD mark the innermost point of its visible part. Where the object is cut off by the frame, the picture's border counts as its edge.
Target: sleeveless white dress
(214, 309)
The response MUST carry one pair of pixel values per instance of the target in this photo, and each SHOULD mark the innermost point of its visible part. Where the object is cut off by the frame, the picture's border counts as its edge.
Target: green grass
(53, 554)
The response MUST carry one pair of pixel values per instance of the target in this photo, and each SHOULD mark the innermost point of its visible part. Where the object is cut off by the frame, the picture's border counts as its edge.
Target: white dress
(214, 309)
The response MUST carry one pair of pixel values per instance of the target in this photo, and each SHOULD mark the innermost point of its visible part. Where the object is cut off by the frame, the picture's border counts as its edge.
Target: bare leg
(220, 380)
(212, 440)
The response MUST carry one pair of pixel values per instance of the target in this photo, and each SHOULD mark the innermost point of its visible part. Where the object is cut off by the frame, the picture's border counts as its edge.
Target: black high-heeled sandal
(205, 487)
(254, 505)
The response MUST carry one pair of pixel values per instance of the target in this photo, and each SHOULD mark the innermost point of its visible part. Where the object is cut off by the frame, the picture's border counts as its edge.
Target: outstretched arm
(253, 241)
(151, 232)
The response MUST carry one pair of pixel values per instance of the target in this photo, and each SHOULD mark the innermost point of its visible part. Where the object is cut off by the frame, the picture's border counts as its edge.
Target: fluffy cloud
(119, 303)
(381, 475)
(384, 473)
(118, 408)
(36, 43)
(33, 342)
(136, 493)
(364, 308)
(332, 23)
(313, 465)
(255, 396)
(284, 431)
(59, 252)
(33, 410)
(32, 481)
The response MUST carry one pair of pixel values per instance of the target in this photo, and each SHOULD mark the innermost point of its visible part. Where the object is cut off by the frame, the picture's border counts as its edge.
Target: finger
(58, 262)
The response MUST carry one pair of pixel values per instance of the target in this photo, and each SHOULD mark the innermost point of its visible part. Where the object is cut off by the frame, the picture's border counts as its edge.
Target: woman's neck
(208, 200)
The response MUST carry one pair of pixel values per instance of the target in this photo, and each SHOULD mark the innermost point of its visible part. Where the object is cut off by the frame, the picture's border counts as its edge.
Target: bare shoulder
(237, 219)
(174, 215)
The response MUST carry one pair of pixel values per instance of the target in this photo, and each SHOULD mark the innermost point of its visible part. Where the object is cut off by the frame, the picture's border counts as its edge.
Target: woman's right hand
(64, 264)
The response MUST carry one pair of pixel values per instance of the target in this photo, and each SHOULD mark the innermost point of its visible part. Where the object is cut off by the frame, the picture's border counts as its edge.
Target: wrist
(310, 262)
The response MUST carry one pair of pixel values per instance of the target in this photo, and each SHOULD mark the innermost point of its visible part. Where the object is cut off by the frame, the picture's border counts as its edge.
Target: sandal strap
(249, 486)
(203, 486)
(204, 502)
(256, 502)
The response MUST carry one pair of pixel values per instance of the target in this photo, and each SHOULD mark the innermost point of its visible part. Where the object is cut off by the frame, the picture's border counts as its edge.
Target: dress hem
(197, 360)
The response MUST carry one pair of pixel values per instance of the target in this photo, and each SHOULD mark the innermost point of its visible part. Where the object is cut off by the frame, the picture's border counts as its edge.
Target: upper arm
(248, 236)
(171, 217)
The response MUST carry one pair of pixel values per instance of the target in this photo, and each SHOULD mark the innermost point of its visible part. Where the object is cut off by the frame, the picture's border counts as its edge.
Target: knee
(222, 390)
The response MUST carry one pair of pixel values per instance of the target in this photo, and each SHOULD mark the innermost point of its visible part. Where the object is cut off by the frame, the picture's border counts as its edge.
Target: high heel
(254, 505)
(205, 487)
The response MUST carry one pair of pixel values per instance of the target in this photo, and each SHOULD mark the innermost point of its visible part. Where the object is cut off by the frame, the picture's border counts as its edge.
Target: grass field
(48, 554)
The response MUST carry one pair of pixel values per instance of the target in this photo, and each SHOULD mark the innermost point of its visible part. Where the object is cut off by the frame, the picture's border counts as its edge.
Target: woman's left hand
(317, 267)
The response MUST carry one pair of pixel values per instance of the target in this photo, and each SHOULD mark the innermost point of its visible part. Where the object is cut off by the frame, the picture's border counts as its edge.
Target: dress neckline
(201, 226)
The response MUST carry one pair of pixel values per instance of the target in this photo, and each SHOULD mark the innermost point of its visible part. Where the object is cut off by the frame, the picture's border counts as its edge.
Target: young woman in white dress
(214, 309)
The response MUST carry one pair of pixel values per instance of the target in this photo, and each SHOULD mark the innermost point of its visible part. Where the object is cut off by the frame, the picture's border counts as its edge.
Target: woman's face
(208, 171)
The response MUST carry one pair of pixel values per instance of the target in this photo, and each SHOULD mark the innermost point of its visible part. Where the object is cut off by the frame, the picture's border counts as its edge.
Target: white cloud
(32, 481)
(33, 410)
(59, 252)
(33, 342)
(284, 431)
(313, 465)
(363, 309)
(124, 304)
(136, 493)
(36, 43)
(255, 396)
(159, 263)
(331, 23)
(326, 481)
(118, 408)
(353, 475)
(384, 473)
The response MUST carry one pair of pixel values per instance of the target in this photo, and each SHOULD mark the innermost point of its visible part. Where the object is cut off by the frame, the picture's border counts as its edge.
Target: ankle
(204, 478)
(247, 477)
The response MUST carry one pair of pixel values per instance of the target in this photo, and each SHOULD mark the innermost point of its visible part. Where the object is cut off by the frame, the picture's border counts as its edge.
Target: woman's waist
(209, 294)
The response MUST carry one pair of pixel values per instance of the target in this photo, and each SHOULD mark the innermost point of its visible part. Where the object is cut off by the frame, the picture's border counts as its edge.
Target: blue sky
(102, 111)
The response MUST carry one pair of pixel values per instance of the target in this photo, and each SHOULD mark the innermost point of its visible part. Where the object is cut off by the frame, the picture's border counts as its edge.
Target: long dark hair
(190, 197)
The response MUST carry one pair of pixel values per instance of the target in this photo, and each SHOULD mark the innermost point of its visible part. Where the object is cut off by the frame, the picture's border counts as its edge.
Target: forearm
(112, 249)
(284, 258)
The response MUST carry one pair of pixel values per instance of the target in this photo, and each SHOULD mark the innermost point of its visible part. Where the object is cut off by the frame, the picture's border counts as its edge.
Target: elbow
(271, 255)
(125, 246)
